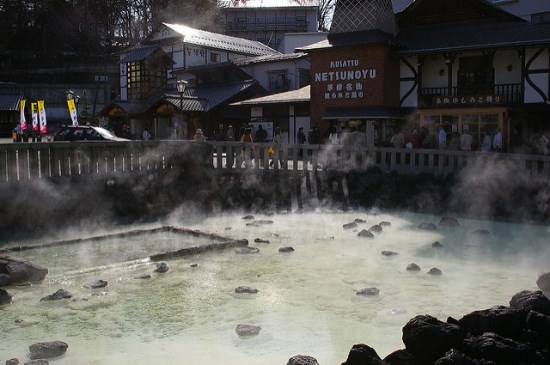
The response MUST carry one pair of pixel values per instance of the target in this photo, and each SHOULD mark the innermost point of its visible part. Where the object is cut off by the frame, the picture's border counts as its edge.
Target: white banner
(42, 117)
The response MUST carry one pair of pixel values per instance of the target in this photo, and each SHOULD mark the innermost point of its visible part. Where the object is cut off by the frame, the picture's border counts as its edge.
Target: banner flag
(72, 112)
(22, 120)
(34, 113)
(42, 117)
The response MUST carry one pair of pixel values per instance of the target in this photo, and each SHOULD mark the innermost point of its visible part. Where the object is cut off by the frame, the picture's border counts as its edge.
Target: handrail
(20, 162)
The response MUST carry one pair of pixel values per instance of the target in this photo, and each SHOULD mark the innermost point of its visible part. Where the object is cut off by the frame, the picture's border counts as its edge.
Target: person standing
(199, 136)
(442, 138)
(261, 134)
(146, 135)
(277, 153)
(497, 141)
(230, 134)
(466, 141)
(486, 144)
(301, 139)
(333, 136)
(398, 140)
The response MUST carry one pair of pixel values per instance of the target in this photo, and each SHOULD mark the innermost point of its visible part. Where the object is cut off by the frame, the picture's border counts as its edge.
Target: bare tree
(326, 9)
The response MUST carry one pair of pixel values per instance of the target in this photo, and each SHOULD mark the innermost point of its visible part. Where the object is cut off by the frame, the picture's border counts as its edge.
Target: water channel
(306, 304)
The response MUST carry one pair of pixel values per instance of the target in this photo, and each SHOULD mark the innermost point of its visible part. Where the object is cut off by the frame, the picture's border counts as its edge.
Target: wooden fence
(30, 161)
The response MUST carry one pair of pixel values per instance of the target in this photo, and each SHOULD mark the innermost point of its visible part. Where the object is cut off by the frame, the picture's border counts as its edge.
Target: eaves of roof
(9, 102)
(220, 41)
(247, 61)
(139, 54)
(301, 95)
(468, 36)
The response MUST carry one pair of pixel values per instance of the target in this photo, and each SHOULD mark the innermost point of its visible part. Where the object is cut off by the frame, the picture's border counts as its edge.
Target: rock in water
(45, 350)
(435, 271)
(247, 330)
(365, 233)
(162, 267)
(60, 294)
(413, 267)
(5, 297)
(302, 360)
(543, 282)
(427, 226)
(449, 222)
(246, 290)
(368, 291)
(20, 270)
(351, 225)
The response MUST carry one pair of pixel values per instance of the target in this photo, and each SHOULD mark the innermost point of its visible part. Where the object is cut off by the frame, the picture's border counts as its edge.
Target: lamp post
(181, 85)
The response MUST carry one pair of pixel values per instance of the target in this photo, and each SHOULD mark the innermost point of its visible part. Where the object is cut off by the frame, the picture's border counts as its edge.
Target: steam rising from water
(306, 301)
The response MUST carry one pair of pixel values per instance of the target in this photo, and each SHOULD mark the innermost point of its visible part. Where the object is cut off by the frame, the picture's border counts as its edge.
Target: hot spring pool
(306, 302)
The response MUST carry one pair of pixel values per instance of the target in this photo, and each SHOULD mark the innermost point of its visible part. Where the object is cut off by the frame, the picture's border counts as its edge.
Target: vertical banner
(42, 117)
(22, 119)
(72, 112)
(34, 113)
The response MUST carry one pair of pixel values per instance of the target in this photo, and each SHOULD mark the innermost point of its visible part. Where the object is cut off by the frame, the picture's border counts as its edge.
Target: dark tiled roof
(471, 36)
(301, 95)
(218, 94)
(9, 102)
(246, 61)
(372, 36)
(188, 104)
(139, 54)
(130, 107)
(220, 41)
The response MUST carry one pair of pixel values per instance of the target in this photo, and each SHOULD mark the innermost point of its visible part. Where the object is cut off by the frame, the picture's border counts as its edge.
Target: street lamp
(181, 85)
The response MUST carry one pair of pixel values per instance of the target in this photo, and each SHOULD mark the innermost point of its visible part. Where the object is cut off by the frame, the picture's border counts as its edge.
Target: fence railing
(31, 161)
(21, 162)
(232, 156)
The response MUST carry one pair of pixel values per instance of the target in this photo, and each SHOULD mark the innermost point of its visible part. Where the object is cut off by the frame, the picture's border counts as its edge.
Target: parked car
(85, 133)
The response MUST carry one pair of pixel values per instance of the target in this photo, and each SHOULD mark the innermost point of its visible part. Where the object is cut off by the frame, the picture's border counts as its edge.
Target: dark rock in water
(428, 339)
(358, 220)
(38, 362)
(449, 222)
(248, 217)
(368, 291)
(60, 294)
(20, 270)
(286, 249)
(384, 224)
(144, 276)
(259, 240)
(434, 271)
(14, 361)
(96, 285)
(247, 330)
(162, 267)
(400, 357)
(531, 300)
(543, 282)
(376, 228)
(259, 223)
(493, 347)
(302, 360)
(246, 250)
(540, 324)
(351, 225)
(228, 228)
(427, 226)
(5, 297)
(246, 290)
(46, 350)
(455, 357)
(504, 321)
(5, 280)
(389, 253)
(194, 264)
(362, 354)
(481, 232)
(413, 267)
(437, 244)
(365, 233)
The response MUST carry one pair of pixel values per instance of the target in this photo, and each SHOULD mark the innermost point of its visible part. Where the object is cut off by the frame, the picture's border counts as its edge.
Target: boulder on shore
(17, 270)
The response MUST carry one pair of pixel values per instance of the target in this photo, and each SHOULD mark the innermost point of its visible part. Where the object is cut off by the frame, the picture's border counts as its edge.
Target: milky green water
(306, 304)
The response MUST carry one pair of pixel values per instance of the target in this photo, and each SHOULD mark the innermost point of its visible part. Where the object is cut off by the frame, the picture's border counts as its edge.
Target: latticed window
(353, 16)
(145, 78)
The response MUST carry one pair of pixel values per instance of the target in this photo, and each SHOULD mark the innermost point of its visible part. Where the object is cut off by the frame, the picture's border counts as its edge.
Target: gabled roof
(421, 12)
(466, 36)
(139, 53)
(203, 38)
(301, 95)
(218, 94)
